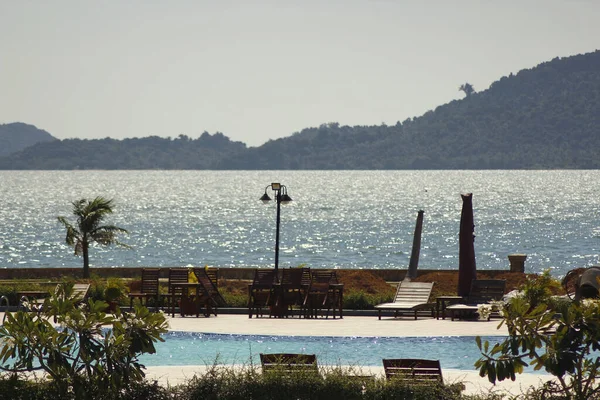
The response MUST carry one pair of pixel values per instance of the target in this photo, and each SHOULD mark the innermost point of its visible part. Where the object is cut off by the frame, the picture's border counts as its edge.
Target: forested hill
(544, 117)
(18, 136)
(146, 153)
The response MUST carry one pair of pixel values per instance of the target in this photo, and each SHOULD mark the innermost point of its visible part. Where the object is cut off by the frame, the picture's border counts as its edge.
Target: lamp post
(281, 197)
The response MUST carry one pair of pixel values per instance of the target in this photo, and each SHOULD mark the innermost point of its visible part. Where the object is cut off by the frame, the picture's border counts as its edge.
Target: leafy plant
(115, 290)
(540, 288)
(248, 382)
(88, 348)
(564, 343)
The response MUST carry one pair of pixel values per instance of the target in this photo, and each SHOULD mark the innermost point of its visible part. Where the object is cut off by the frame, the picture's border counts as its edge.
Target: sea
(337, 219)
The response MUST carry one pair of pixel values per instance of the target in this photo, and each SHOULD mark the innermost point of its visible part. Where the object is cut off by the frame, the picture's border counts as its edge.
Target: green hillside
(544, 117)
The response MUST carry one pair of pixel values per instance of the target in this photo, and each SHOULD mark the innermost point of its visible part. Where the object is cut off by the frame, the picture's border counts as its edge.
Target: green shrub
(13, 388)
(569, 353)
(539, 289)
(249, 383)
(235, 300)
(116, 290)
(78, 354)
(360, 300)
(11, 291)
(97, 288)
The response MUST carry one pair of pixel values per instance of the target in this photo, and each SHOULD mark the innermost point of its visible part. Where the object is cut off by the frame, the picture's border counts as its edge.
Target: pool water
(184, 348)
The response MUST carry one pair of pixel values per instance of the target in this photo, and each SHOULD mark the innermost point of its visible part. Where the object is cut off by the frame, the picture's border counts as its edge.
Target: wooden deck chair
(76, 293)
(176, 275)
(209, 294)
(320, 295)
(414, 371)
(213, 275)
(295, 283)
(410, 297)
(148, 289)
(289, 363)
(35, 301)
(482, 291)
(80, 292)
(261, 292)
(336, 292)
(209, 277)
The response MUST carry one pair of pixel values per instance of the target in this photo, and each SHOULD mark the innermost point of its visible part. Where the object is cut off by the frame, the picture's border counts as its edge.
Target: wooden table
(441, 302)
(279, 308)
(188, 303)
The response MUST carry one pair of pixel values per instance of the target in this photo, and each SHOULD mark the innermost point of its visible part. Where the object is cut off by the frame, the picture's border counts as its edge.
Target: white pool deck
(349, 326)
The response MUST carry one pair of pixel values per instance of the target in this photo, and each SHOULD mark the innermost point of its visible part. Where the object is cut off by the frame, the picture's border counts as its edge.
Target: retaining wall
(390, 275)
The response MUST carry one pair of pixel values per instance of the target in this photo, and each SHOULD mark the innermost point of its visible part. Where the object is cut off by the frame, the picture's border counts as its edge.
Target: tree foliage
(88, 229)
(79, 353)
(467, 88)
(557, 335)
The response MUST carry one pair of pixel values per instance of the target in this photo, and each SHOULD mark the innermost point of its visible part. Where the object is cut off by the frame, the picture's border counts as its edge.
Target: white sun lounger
(410, 297)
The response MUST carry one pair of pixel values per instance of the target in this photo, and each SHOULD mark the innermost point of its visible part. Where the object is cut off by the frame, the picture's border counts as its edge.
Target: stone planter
(517, 262)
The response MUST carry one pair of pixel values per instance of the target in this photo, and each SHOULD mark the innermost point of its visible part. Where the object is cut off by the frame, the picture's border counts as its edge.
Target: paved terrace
(348, 326)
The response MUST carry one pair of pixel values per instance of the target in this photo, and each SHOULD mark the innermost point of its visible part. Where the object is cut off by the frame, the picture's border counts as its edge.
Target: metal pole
(278, 198)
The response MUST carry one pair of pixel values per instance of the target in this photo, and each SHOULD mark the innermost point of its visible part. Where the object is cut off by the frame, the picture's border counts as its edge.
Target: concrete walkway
(348, 326)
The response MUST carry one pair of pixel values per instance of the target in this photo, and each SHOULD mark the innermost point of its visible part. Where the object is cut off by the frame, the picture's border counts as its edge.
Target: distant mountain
(17, 136)
(153, 152)
(546, 117)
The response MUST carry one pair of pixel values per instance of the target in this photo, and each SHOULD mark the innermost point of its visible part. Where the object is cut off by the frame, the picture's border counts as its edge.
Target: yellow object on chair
(192, 278)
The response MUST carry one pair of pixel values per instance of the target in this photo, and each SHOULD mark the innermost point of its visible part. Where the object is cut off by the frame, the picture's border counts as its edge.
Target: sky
(262, 70)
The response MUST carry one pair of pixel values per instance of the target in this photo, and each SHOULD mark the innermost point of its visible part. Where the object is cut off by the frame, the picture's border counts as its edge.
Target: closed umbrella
(467, 270)
(416, 249)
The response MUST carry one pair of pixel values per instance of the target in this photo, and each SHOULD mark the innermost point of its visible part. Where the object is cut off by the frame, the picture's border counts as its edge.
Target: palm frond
(73, 234)
(78, 248)
(106, 235)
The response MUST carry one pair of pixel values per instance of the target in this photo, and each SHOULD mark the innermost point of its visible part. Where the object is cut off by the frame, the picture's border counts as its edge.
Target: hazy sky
(260, 70)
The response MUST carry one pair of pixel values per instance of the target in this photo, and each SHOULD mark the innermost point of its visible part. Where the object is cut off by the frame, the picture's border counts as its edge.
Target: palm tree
(90, 215)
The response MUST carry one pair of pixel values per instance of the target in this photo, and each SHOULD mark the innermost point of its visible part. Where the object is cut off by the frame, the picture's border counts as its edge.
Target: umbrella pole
(416, 249)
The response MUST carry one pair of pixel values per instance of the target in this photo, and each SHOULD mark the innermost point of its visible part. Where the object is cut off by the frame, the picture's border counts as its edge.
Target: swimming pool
(185, 348)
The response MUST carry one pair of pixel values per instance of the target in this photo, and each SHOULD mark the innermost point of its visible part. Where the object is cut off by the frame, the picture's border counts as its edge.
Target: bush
(11, 291)
(538, 289)
(561, 337)
(79, 355)
(336, 383)
(13, 388)
(359, 300)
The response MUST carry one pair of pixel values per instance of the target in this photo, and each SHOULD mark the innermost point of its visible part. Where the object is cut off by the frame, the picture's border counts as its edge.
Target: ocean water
(338, 219)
